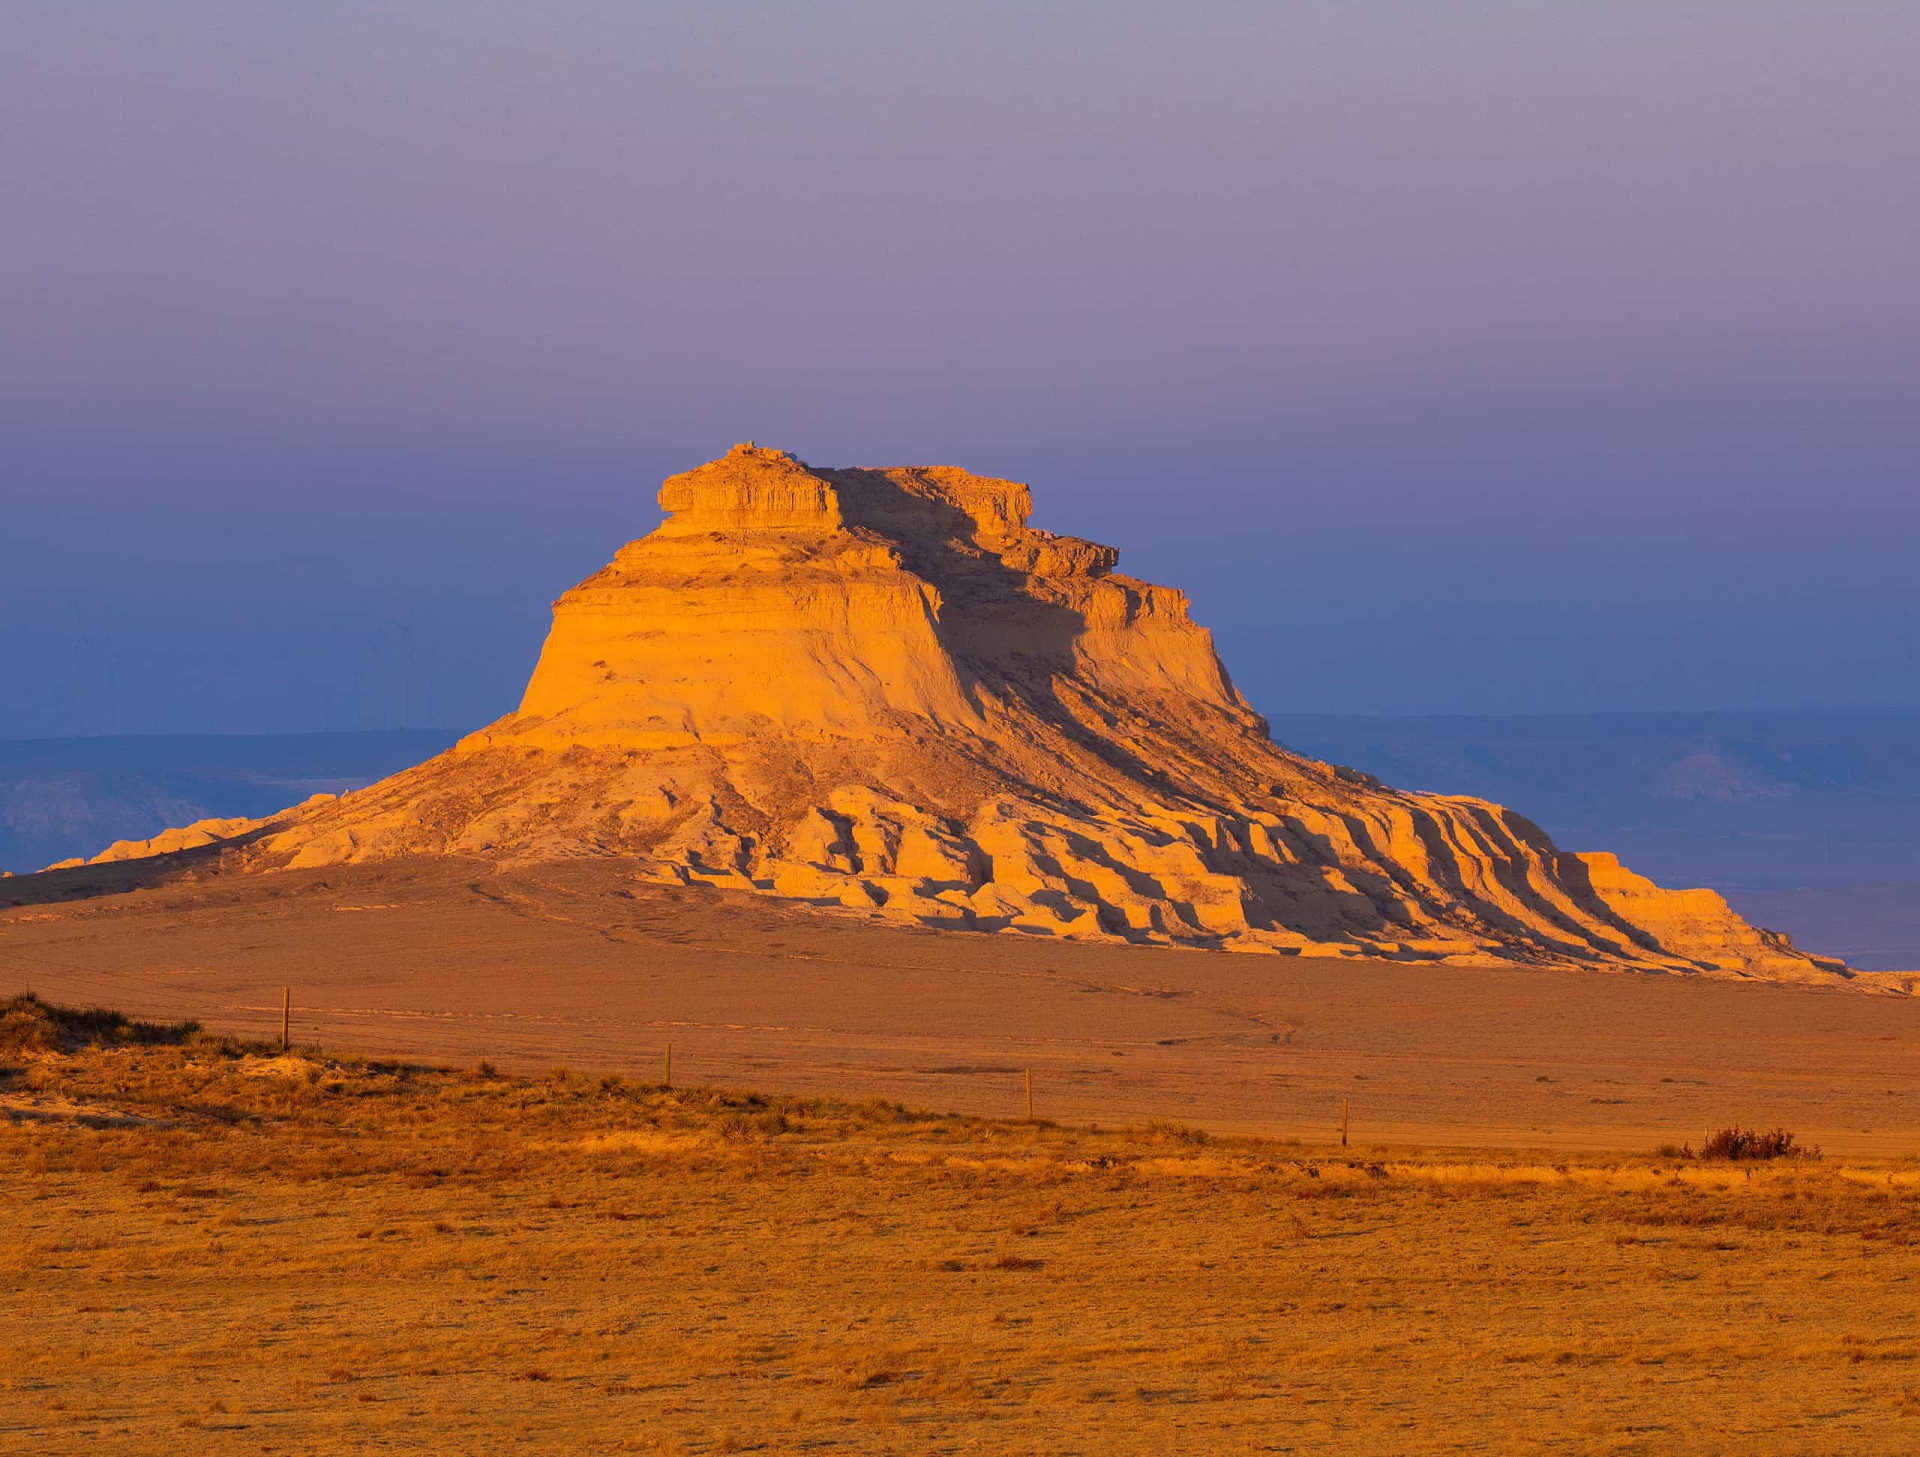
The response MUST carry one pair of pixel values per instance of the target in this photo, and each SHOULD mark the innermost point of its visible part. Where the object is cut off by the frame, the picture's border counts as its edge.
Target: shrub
(1739, 1143)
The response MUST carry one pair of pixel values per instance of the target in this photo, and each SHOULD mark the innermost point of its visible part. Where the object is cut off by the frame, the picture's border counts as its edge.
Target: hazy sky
(1453, 357)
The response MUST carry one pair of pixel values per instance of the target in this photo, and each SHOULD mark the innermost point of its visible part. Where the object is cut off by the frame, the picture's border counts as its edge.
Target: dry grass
(29, 1025)
(216, 1248)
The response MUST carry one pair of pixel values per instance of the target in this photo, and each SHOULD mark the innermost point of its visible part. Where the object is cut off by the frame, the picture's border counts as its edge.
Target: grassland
(211, 1246)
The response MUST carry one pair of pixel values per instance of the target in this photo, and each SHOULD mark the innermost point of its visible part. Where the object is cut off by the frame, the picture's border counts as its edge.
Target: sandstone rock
(882, 690)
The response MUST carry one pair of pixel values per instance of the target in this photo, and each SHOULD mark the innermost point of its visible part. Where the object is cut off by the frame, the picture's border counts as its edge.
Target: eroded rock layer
(882, 689)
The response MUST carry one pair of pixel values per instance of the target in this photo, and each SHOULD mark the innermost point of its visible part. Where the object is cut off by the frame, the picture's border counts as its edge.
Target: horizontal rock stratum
(881, 689)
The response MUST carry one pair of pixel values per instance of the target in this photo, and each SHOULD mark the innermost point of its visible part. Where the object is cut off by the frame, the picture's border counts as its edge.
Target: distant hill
(1807, 821)
(67, 797)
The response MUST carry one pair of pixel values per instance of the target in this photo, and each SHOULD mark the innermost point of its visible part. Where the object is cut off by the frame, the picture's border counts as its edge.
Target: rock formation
(881, 689)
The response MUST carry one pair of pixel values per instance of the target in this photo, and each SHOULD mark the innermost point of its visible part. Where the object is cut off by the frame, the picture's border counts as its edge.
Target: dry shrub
(1737, 1143)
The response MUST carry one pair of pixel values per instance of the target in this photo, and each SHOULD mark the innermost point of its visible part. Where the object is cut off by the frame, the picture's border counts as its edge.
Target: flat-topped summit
(749, 489)
(881, 689)
(862, 602)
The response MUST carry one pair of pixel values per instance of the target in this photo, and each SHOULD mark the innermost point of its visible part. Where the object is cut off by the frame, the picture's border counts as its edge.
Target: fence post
(286, 1014)
(666, 1079)
(1029, 1095)
(1343, 1123)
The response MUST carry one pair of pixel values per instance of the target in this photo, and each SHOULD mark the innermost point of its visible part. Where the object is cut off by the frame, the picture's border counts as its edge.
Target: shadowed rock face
(881, 689)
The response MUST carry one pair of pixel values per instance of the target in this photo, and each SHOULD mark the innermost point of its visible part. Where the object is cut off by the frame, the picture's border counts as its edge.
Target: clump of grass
(29, 1025)
(1178, 1132)
(880, 1111)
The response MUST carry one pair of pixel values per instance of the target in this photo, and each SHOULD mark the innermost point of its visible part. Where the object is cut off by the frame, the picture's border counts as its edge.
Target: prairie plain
(446, 960)
(464, 1213)
(219, 1247)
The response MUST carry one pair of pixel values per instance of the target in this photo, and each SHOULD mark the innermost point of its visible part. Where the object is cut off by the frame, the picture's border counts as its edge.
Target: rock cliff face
(881, 689)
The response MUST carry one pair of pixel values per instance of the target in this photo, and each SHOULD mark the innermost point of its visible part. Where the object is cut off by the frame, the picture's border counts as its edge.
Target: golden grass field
(214, 1247)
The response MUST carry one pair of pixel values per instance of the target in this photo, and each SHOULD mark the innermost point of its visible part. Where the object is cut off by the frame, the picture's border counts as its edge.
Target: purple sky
(1476, 357)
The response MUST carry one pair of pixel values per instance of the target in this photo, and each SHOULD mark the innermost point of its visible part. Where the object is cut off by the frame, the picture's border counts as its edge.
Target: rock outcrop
(881, 689)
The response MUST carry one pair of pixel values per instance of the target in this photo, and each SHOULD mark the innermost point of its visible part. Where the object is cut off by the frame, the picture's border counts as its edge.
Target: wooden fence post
(286, 1015)
(1343, 1123)
(666, 1079)
(1029, 1095)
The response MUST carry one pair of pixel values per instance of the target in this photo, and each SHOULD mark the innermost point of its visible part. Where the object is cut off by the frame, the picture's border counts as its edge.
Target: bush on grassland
(1737, 1143)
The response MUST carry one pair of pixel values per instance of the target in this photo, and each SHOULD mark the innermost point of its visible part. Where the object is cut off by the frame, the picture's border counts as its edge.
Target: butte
(881, 691)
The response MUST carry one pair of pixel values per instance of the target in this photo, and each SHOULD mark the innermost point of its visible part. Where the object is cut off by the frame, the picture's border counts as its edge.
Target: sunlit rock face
(881, 689)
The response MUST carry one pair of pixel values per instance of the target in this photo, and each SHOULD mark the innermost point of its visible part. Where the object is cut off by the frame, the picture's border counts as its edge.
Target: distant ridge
(67, 797)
